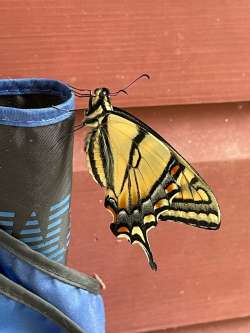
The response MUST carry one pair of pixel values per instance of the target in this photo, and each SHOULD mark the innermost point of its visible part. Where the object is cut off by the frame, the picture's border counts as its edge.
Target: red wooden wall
(197, 52)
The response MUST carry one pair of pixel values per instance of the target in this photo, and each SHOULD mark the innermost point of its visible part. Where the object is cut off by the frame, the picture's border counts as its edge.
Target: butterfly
(145, 179)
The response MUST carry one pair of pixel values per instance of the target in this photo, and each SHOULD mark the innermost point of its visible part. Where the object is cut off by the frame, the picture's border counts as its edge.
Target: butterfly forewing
(146, 180)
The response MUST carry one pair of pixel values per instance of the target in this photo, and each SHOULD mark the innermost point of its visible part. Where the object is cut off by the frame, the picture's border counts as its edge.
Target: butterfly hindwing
(146, 180)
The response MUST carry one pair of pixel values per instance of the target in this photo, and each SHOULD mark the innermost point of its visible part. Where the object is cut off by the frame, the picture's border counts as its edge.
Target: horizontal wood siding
(239, 325)
(195, 51)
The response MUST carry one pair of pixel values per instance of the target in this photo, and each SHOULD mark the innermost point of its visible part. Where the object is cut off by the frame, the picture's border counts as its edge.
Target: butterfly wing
(146, 180)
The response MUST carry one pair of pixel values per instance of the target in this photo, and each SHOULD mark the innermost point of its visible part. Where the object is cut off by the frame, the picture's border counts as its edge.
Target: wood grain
(203, 275)
(239, 325)
(195, 51)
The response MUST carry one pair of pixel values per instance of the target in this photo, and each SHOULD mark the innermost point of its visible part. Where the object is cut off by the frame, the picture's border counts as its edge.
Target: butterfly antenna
(124, 90)
(73, 110)
(76, 127)
(80, 92)
(87, 92)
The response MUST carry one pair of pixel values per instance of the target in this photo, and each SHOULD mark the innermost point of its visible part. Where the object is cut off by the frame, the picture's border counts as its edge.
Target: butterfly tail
(135, 235)
(149, 255)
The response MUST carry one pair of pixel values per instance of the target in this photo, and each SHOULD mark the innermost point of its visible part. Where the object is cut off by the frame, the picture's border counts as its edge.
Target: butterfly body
(145, 179)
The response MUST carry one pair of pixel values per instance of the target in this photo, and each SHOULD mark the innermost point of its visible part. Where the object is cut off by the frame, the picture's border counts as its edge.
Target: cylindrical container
(36, 163)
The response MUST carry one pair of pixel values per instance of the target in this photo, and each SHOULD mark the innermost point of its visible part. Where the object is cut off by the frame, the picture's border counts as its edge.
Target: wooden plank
(203, 276)
(196, 51)
(239, 325)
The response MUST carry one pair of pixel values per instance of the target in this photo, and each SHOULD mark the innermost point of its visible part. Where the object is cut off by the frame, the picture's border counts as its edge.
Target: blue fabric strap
(33, 288)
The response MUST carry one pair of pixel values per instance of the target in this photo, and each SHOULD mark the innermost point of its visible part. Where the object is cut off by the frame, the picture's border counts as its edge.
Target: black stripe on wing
(106, 156)
(92, 158)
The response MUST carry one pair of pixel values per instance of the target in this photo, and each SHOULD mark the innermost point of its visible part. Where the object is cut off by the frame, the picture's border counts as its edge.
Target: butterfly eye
(104, 92)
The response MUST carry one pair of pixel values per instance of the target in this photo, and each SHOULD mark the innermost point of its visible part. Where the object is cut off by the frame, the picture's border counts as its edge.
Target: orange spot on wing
(123, 229)
(174, 170)
(161, 203)
(171, 187)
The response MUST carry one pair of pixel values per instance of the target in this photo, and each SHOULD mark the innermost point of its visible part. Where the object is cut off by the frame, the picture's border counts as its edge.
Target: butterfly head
(99, 105)
(100, 96)
(99, 102)
(101, 93)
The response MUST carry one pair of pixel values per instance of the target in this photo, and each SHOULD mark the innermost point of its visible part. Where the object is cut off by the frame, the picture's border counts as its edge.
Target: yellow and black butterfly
(144, 177)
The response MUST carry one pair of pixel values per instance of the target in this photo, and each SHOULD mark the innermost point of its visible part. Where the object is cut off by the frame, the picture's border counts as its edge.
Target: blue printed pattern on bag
(7, 221)
(52, 242)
